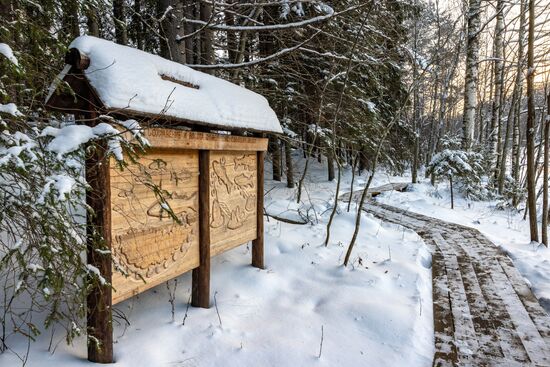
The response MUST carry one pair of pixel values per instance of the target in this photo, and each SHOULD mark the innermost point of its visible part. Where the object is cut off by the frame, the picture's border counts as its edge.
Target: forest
(438, 92)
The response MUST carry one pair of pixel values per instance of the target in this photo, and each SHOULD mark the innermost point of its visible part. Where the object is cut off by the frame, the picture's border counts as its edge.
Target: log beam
(200, 296)
(99, 300)
(258, 243)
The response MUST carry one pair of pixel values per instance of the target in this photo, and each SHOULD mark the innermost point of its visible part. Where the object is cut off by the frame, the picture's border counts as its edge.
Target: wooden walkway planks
(484, 312)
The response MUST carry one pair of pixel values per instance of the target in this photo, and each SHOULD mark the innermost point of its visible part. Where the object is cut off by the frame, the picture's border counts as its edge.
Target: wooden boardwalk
(484, 312)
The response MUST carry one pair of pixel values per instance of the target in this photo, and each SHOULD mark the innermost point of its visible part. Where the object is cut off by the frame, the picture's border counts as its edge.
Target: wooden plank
(258, 243)
(149, 246)
(200, 295)
(487, 332)
(510, 342)
(445, 348)
(99, 300)
(537, 314)
(465, 335)
(233, 199)
(535, 346)
(163, 138)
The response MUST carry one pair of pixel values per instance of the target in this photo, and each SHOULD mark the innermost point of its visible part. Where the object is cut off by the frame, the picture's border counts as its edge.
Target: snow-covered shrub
(462, 168)
(514, 192)
(43, 220)
(451, 142)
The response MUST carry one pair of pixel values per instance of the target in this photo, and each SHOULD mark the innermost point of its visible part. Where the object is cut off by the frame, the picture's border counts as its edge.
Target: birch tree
(471, 79)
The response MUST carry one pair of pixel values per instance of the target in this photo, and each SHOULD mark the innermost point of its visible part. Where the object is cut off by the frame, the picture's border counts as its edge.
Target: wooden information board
(233, 189)
(148, 245)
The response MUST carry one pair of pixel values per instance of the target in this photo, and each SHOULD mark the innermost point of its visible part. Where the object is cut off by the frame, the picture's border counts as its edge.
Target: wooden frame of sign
(191, 196)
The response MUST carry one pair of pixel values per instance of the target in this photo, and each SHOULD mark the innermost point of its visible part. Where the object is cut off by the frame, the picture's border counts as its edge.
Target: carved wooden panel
(233, 180)
(148, 245)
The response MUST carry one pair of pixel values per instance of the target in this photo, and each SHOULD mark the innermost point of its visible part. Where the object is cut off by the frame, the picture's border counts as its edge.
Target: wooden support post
(258, 243)
(99, 302)
(200, 296)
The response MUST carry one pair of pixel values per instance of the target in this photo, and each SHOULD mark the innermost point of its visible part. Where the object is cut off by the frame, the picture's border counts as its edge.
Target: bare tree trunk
(330, 164)
(189, 28)
(197, 40)
(171, 29)
(138, 24)
(354, 166)
(416, 107)
(514, 115)
(121, 34)
(452, 193)
(498, 87)
(516, 137)
(92, 22)
(471, 79)
(231, 36)
(289, 165)
(335, 208)
(505, 145)
(207, 35)
(545, 177)
(531, 193)
(275, 157)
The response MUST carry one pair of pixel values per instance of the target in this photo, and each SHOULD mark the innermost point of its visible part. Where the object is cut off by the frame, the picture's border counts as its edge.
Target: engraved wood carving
(149, 246)
(233, 180)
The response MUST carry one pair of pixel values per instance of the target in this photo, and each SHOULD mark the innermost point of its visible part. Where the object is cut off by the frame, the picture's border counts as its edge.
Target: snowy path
(484, 312)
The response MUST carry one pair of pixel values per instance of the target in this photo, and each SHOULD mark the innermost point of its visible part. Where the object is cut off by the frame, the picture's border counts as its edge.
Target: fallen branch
(322, 338)
(287, 220)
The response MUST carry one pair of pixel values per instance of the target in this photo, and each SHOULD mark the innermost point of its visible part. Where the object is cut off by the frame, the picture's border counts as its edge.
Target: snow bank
(127, 78)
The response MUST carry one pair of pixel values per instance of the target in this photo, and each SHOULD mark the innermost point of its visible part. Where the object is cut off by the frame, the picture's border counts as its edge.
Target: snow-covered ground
(377, 312)
(506, 228)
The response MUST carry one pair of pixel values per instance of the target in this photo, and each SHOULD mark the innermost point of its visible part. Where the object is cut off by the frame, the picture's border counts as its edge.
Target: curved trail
(484, 312)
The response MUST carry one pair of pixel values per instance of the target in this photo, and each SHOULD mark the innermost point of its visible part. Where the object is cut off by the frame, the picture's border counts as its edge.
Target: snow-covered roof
(125, 78)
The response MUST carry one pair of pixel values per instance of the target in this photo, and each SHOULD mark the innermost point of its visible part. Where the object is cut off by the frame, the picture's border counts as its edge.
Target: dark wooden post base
(258, 243)
(200, 291)
(99, 302)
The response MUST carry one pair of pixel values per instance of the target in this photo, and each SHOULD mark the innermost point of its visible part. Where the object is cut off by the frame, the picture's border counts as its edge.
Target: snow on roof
(127, 78)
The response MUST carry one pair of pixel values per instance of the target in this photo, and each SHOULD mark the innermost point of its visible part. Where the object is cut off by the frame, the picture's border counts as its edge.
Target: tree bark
(289, 165)
(189, 11)
(330, 164)
(121, 34)
(531, 190)
(275, 157)
(471, 79)
(452, 193)
(354, 166)
(416, 107)
(171, 29)
(92, 22)
(494, 132)
(207, 35)
(544, 224)
(516, 137)
(231, 36)
(137, 24)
